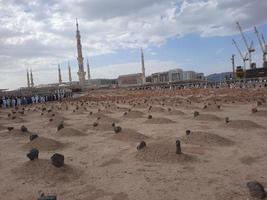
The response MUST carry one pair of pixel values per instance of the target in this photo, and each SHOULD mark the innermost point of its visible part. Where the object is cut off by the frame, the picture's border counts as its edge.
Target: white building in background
(189, 75)
(175, 75)
(200, 76)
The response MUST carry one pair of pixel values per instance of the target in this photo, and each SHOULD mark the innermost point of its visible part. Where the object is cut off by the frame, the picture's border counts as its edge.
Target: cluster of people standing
(13, 101)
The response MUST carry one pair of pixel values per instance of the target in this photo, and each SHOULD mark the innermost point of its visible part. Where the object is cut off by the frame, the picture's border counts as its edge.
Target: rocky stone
(33, 136)
(259, 103)
(57, 160)
(95, 124)
(141, 145)
(117, 129)
(256, 190)
(23, 128)
(188, 132)
(33, 154)
(60, 126)
(196, 113)
(178, 147)
(254, 110)
(49, 197)
(10, 128)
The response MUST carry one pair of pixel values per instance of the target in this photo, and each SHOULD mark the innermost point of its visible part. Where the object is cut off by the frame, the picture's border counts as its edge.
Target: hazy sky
(188, 34)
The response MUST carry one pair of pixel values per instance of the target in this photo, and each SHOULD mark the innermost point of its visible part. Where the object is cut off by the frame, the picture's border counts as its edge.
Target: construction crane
(250, 48)
(265, 48)
(262, 45)
(263, 39)
(244, 58)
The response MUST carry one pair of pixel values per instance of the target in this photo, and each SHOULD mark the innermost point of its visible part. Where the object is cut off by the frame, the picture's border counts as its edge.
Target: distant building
(200, 76)
(103, 82)
(189, 75)
(130, 79)
(160, 77)
(175, 75)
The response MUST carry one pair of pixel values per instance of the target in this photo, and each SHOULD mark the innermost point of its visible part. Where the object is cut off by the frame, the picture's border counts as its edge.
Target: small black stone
(33, 154)
(141, 145)
(60, 126)
(34, 136)
(256, 190)
(188, 132)
(259, 103)
(47, 197)
(57, 160)
(149, 117)
(178, 147)
(10, 128)
(113, 124)
(95, 124)
(196, 113)
(23, 129)
(117, 129)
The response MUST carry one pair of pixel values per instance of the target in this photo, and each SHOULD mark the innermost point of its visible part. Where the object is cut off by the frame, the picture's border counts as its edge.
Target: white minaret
(28, 79)
(59, 75)
(143, 66)
(32, 83)
(70, 79)
(88, 70)
(81, 73)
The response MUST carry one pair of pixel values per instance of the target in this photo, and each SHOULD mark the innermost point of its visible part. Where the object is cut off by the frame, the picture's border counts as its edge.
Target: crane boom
(259, 39)
(249, 48)
(263, 39)
(244, 58)
(238, 49)
(242, 34)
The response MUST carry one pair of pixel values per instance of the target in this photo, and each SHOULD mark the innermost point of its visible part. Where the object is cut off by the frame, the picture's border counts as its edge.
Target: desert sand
(218, 157)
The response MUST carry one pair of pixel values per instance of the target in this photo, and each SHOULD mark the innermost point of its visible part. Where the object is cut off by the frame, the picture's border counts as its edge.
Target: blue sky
(190, 52)
(188, 34)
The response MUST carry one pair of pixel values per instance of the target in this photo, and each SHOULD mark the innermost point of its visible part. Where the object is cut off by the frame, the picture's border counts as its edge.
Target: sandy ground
(218, 158)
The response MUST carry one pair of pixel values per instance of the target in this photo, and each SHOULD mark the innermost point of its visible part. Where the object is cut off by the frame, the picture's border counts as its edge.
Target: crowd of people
(13, 101)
